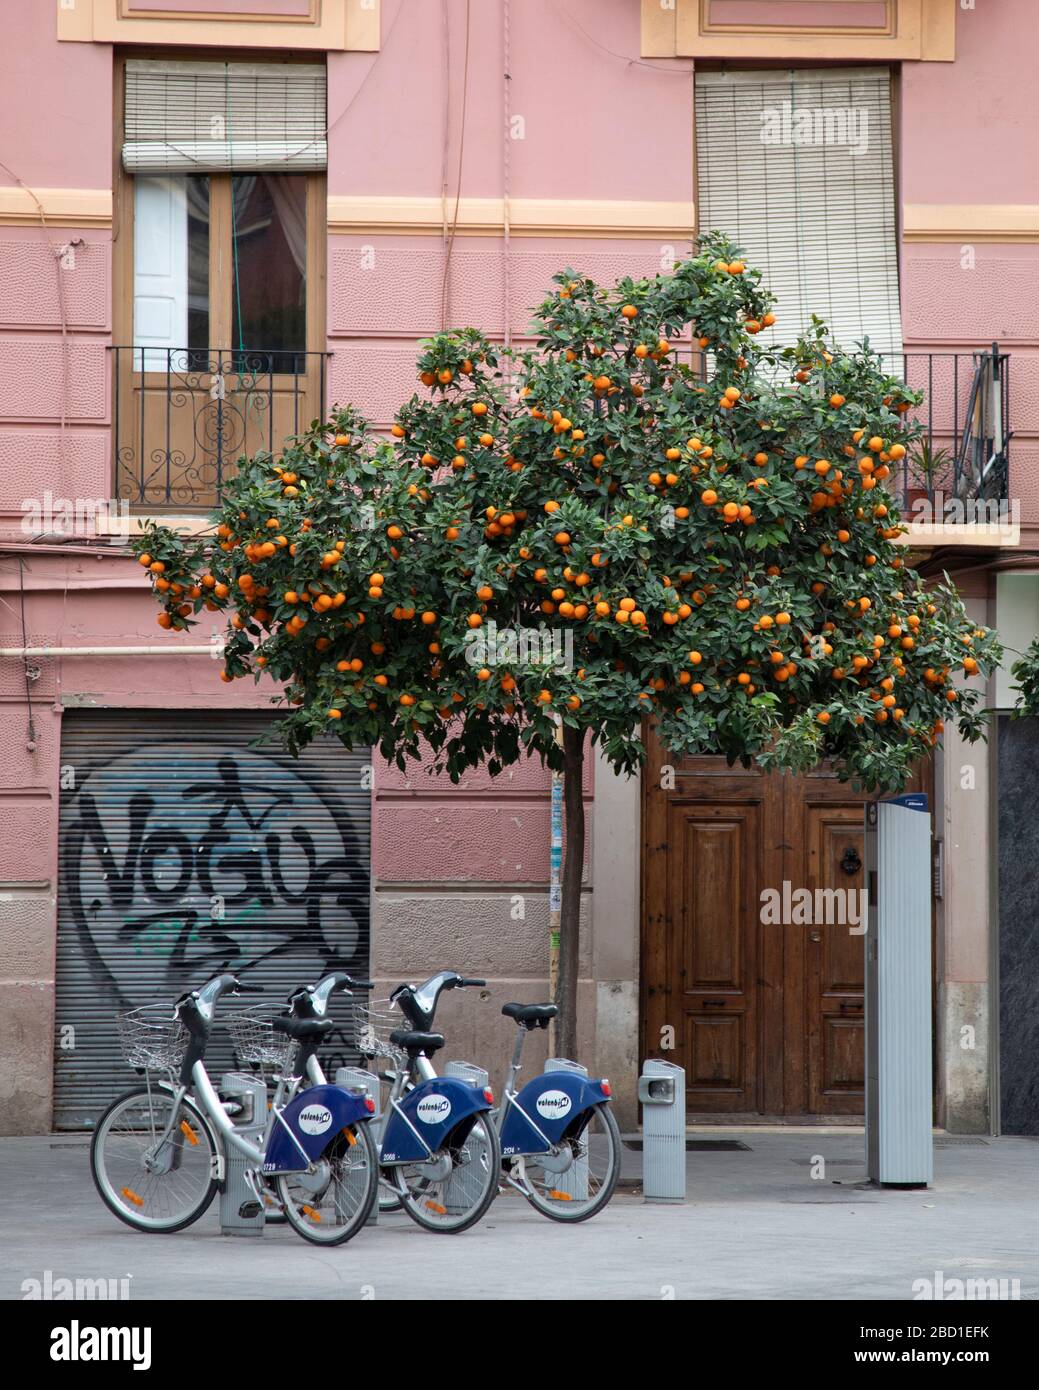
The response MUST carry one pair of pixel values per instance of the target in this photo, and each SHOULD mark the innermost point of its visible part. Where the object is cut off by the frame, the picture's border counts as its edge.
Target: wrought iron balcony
(183, 417)
(959, 471)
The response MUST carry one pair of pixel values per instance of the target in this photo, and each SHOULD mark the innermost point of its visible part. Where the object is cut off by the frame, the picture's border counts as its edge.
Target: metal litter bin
(662, 1097)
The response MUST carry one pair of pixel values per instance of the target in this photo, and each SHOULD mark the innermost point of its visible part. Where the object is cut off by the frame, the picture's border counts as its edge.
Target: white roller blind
(209, 117)
(796, 166)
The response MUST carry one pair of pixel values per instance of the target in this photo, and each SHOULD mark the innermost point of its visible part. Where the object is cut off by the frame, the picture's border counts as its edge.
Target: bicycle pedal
(249, 1209)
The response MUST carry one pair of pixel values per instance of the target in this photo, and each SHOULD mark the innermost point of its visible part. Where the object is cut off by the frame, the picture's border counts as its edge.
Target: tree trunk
(570, 915)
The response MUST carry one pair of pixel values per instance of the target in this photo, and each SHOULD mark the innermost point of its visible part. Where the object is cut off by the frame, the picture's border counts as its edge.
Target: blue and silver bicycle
(158, 1154)
(438, 1147)
(559, 1143)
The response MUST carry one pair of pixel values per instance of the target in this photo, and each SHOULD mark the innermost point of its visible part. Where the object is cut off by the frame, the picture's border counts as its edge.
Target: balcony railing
(959, 471)
(183, 417)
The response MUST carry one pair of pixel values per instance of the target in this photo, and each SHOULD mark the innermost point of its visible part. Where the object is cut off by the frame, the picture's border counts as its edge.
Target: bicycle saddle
(417, 1042)
(303, 1027)
(530, 1015)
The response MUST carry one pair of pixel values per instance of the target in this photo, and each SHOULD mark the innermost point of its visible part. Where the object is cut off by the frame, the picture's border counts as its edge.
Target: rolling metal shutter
(797, 166)
(186, 850)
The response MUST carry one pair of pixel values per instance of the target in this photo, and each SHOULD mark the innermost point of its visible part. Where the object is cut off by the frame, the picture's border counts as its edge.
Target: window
(220, 265)
(219, 289)
(797, 167)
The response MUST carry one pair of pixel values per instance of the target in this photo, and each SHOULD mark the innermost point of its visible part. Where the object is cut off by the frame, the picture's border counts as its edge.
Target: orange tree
(552, 549)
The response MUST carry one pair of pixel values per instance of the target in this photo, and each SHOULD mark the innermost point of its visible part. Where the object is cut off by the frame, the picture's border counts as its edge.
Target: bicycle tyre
(124, 1200)
(569, 1211)
(306, 1220)
(431, 1213)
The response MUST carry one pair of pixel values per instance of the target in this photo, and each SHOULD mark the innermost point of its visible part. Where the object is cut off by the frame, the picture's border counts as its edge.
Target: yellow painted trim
(185, 523)
(330, 26)
(528, 217)
(922, 30)
(970, 535)
(963, 222)
(74, 207)
(658, 29)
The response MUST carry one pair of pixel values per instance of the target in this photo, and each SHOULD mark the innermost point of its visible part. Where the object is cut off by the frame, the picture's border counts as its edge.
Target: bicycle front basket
(374, 1023)
(151, 1037)
(254, 1039)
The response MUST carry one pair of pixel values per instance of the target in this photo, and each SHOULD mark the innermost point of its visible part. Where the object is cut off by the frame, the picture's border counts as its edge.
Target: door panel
(712, 982)
(711, 891)
(160, 301)
(835, 959)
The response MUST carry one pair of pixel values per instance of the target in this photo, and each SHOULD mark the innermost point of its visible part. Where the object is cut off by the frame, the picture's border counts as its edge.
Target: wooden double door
(753, 932)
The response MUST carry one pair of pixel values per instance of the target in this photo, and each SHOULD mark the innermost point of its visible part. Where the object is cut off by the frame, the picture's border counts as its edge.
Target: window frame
(123, 203)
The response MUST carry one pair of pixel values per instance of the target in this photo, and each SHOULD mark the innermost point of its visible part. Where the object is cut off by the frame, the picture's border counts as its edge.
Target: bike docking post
(358, 1080)
(574, 1180)
(455, 1198)
(662, 1097)
(250, 1092)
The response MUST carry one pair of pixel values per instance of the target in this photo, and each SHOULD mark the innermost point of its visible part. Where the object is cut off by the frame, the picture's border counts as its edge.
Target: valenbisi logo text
(315, 1119)
(433, 1110)
(551, 1105)
(79, 1343)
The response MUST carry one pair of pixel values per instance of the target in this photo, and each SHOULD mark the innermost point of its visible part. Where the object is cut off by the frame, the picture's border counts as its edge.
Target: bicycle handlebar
(311, 1001)
(418, 1003)
(201, 1002)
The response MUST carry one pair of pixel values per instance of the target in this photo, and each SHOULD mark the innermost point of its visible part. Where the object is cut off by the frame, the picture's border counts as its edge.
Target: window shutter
(197, 117)
(796, 166)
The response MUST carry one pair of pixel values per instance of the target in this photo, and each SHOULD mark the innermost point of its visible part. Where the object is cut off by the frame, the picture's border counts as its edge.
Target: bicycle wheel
(152, 1168)
(578, 1178)
(452, 1190)
(330, 1203)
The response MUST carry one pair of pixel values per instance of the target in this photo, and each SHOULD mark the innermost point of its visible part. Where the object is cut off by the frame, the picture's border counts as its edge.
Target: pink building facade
(472, 150)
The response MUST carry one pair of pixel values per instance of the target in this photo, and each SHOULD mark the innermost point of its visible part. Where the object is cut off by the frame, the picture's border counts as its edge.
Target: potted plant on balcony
(924, 465)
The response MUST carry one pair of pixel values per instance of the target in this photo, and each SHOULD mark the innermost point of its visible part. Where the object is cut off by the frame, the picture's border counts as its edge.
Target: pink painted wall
(55, 104)
(969, 135)
(593, 110)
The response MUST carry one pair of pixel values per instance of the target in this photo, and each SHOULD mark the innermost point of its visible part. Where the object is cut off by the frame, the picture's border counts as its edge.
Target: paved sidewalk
(756, 1225)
